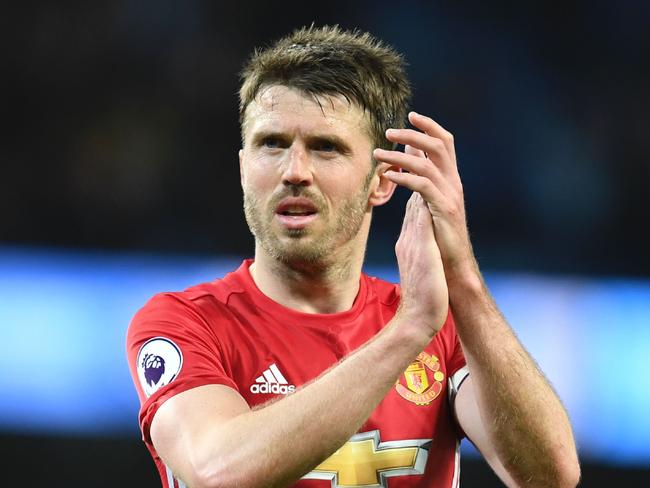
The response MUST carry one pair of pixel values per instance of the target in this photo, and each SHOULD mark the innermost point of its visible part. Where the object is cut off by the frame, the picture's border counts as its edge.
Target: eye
(271, 142)
(325, 146)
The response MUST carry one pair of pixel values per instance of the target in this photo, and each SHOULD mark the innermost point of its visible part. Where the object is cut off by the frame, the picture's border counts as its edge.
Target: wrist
(464, 273)
(407, 329)
(465, 282)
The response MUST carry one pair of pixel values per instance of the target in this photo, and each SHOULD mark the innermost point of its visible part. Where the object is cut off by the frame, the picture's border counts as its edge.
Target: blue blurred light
(64, 318)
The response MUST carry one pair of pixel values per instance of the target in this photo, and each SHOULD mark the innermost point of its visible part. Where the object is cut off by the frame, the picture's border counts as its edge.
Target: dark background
(120, 133)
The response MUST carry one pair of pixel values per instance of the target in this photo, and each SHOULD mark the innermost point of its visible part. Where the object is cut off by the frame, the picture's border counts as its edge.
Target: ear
(241, 167)
(384, 188)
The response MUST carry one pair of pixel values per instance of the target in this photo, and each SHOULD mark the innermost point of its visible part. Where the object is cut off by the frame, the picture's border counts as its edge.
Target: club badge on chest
(421, 383)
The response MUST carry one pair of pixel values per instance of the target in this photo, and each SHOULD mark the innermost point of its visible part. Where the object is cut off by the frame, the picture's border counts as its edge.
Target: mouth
(296, 212)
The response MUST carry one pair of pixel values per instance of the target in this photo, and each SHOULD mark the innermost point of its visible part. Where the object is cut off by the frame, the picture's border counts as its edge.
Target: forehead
(279, 107)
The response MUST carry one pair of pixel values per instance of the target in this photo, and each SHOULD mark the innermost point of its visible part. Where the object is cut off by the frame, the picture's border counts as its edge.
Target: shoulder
(216, 292)
(179, 304)
(199, 306)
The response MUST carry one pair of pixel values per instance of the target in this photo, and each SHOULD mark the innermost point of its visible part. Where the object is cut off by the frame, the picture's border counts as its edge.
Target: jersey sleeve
(170, 349)
(455, 359)
(456, 363)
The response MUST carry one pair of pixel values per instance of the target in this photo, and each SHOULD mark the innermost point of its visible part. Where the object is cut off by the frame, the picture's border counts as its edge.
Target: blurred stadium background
(120, 179)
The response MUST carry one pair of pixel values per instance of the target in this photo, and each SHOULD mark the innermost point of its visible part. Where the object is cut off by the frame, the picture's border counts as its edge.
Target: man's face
(306, 174)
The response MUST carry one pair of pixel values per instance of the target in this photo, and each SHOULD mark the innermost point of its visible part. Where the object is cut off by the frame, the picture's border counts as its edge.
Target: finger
(434, 129)
(417, 210)
(414, 164)
(419, 184)
(406, 223)
(425, 219)
(409, 162)
(434, 148)
(422, 214)
(408, 149)
(407, 213)
(419, 201)
(419, 140)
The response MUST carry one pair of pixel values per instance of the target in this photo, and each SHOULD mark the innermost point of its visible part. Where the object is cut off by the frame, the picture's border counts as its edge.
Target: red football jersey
(228, 332)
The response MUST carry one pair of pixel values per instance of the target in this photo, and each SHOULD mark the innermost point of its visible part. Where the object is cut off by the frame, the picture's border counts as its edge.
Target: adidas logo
(272, 381)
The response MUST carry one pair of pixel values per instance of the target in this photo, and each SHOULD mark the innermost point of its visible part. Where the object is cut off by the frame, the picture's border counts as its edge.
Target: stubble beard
(304, 248)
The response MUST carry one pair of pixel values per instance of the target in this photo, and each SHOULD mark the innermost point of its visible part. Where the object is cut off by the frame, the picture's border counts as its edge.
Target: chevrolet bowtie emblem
(366, 461)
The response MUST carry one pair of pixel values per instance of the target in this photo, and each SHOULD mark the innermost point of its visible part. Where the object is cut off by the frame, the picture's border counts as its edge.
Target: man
(299, 368)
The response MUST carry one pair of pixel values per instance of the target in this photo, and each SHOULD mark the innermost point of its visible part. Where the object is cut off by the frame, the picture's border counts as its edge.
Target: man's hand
(425, 299)
(430, 159)
(507, 407)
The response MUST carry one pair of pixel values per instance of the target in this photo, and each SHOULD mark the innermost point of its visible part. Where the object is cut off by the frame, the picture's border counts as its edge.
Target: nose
(297, 168)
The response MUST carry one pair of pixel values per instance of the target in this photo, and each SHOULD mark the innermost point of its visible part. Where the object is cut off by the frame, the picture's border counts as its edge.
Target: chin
(296, 233)
(296, 254)
(306, 255)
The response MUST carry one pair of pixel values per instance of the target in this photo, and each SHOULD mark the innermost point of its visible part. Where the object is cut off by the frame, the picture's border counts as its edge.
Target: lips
(296, 212)
(292, 206)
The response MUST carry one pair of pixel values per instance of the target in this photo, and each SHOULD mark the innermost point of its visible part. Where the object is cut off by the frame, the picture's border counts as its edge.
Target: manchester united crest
(421, 383)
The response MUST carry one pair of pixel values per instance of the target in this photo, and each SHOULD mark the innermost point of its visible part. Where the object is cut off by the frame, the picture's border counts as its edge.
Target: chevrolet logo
(366, 461)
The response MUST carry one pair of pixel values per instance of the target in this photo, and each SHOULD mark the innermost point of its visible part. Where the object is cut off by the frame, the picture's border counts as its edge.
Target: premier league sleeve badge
(158, 363)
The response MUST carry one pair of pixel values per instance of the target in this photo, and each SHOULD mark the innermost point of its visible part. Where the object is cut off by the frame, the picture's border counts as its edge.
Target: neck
(322, 287)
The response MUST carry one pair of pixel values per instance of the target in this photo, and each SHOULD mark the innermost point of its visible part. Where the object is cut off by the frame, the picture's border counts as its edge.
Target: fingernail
(390, 132)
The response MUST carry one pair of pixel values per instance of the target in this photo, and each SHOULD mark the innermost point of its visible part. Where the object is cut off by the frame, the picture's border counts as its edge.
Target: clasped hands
(434, 244)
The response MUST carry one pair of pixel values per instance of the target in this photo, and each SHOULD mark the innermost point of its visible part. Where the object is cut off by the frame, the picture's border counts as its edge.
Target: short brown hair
(331, 61)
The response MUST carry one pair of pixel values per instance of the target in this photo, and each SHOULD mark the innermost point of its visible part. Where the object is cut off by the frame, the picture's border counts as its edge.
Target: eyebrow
(343, 146)
(258, 137)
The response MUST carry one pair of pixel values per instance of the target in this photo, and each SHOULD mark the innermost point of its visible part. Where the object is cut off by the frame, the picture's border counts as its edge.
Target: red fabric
(229, 333)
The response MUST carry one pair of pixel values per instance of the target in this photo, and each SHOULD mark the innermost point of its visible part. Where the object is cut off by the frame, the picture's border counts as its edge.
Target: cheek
(341, 194)
(258, 177)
